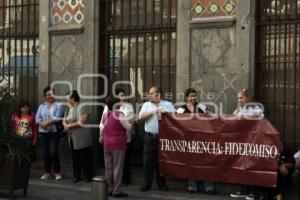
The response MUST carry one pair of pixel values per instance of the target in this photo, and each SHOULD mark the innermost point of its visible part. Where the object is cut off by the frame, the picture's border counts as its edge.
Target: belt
(151, 134)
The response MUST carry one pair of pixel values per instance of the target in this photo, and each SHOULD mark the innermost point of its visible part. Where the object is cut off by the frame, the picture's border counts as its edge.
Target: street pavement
(66, 190)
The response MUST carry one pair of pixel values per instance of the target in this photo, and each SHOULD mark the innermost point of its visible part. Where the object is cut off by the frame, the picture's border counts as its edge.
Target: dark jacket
(7, 107)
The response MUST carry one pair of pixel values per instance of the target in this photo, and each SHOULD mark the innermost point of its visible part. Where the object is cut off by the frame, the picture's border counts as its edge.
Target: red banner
(221, 149)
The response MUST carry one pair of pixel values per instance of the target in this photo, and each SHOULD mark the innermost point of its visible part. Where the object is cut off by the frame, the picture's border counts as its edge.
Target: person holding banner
(150, 114)
(191, 106)
(245, 108)
(286, 169)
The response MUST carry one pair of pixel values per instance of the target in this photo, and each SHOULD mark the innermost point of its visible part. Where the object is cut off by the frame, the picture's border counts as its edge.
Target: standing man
(150, 114)
(7, 106)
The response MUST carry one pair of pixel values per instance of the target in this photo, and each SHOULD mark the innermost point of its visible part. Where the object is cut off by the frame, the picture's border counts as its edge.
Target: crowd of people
(117, 122)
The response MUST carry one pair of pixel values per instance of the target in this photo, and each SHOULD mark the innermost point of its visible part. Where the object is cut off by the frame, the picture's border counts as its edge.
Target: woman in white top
(246, 108)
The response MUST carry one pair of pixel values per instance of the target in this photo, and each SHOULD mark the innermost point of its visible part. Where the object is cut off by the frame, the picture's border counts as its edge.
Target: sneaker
(250, 197)
(120, 195)
(46, 176)
(145, 188)
(238, 195)
(57, 176)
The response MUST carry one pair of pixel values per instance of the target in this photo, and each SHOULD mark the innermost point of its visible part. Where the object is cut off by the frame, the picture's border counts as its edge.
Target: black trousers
(151, 164)
(82, 162)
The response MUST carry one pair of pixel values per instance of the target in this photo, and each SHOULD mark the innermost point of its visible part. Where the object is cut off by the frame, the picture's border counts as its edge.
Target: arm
(148, 112)
(284, 168)
(82, 120)
(103, 121)
(147, 115)
(38, 118)
(14, 125)
(101, 125)
(34, 130)
(125, 123)
(56, 116)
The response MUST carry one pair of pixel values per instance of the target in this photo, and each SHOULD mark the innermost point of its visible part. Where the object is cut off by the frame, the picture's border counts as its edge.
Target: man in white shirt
(150, 114)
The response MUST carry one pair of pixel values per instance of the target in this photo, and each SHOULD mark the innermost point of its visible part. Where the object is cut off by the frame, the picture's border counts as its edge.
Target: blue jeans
(193, 186)
(50, 148)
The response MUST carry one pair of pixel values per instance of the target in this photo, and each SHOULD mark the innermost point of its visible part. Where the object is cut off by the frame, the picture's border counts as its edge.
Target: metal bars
(140, 35)
(19, 47)
(278, 63)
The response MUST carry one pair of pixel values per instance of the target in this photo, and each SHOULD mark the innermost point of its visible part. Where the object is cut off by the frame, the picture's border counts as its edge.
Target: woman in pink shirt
(114, 142)
(24, 125)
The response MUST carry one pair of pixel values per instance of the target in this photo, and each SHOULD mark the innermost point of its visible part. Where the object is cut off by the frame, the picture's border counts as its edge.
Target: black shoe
(110, 193)
(191, 191)
(211, 192)
(126, 182)
(76, 180)
(163, 188)
(88, 180)
(145, 188)
(120, 195)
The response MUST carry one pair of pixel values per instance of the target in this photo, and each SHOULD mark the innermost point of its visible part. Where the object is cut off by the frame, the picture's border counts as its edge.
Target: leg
(108, 160)
(160, 180)
(126, 170)
(11, 193)
(76, 162)
(192, 186)
(46, 151)
(86, 157)
(25, 192)
(209, 186)
(149, 162)
(118, 159)
(54, 144)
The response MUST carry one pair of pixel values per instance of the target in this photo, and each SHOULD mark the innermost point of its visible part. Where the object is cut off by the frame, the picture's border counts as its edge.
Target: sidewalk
(66, 190)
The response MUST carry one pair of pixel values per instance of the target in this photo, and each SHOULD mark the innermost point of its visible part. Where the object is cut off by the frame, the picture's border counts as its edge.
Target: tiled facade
(67, 11)
(213, 8)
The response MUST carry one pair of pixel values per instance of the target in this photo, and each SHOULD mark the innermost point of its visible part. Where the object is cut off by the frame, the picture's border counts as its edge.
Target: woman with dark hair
(79, 138)
(24, 125)
(191, 106)
(47, 116)
(114, 142)
(127, 109)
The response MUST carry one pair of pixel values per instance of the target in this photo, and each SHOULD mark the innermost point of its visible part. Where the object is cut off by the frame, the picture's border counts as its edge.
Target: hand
(101, 139)
(43, 125)
(161, 110)
(297, 167)
(283, 169)
(133, 119)
(66, 127)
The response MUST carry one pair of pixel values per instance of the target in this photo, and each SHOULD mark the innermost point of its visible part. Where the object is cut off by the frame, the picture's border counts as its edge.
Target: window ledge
(66, 29)
(213, 22)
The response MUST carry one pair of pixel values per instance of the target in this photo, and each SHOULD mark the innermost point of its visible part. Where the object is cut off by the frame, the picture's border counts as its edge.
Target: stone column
(68, 44)
(69, 48)
(183, 47)
(222, 58)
